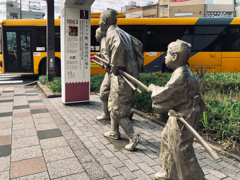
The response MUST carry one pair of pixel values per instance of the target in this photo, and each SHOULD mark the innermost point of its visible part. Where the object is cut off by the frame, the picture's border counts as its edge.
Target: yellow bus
(215, 43)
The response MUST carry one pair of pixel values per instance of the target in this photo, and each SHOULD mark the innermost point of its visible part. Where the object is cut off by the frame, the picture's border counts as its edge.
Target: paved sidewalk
(42, 138)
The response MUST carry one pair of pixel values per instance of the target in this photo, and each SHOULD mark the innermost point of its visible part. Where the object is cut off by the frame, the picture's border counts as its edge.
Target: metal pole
(20, 9)
(50, 41)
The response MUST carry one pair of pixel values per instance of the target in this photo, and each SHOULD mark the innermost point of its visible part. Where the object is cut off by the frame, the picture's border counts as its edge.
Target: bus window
(95, 46)
(225, 38)
(208, 29)
(158, 37)
(41, 38)
(135, 31)
(57, 39)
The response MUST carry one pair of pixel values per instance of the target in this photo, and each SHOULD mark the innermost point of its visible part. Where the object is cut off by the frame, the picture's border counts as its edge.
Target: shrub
(43, 79)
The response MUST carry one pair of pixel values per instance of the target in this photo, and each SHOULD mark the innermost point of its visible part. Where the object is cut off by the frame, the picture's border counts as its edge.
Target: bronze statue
(183, 97)
(105, 86)
(121, 50)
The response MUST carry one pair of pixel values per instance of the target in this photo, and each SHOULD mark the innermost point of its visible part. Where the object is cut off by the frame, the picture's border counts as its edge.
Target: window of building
(200, 12)
(163, 6)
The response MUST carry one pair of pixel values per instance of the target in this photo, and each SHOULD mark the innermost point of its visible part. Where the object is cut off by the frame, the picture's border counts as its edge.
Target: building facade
(13, 11)
(187, 8)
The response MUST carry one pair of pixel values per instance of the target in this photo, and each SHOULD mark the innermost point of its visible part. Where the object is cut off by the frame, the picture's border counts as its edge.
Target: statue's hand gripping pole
(129, 83)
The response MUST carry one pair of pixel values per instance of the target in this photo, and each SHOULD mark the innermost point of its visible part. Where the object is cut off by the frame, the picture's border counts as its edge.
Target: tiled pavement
(42, 138)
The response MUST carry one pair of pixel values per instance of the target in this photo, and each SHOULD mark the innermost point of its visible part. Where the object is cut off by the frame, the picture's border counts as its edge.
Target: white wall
(137, 14)
(223, 1)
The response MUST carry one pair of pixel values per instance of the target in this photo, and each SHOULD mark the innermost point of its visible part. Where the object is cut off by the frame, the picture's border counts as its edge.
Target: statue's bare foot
(112, 135)
(133, 143)
(103, 117)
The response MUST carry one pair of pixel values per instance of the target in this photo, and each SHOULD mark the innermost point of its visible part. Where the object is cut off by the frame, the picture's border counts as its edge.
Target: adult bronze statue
(105, 86)
(183, 97)
(124, 53)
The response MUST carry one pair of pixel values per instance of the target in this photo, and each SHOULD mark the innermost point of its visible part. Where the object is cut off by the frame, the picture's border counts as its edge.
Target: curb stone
(47, 91)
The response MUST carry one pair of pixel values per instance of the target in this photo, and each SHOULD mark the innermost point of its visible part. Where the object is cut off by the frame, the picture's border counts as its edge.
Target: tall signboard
(75, 50)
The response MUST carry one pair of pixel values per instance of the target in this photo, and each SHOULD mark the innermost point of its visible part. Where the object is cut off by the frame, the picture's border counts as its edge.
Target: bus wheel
(43, 69)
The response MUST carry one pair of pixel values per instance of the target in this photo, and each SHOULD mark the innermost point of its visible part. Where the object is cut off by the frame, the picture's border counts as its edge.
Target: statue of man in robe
(183, 97)
(123, 54)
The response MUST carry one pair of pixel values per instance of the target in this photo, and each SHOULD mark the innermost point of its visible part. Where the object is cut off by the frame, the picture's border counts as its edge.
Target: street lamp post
(50, 41)
(20, 9)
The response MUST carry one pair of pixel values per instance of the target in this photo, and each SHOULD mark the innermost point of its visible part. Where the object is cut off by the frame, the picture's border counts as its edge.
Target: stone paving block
(147, 169)
(64, 167)
(5, 132)
(107, 153)
(5, 140)
(25, 125)
(69, 135)
(24, 142)
(230, 173)
(37, 107)
(5, 109)
(6, 114)
(228, 178)
(95, 151)
(141, 175)
(43, 121)
(211, 177)
(5, 125)
(41, 115)
(49, 134)
(4, 175)
(23, 133)
(119, 177)
(39, 111)
(120, 155)
(126, 173)
(212, 164)
(4, 163)
(26, 110)
(94, 170)
(47, 126)
(88, 144)
(111, 170)
(53, 143)
(116, 162)
(217, 174)
(99, 145)
(79, 176)
(148, 160)
(229, 166)
(131, 165)
(38, 176)
(26, 153)
(75, 144)
(64, 127)
(22, 120)
(27, 167)
(21, 115)
(6, 119)
(134, 158)
(21, 107)
(101, 159)
(87, 156)
(57, 153)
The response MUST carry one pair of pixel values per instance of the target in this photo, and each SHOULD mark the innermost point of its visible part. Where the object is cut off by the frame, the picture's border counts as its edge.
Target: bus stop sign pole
(50, 64)
(75, 50)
